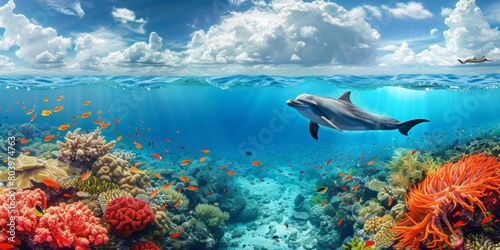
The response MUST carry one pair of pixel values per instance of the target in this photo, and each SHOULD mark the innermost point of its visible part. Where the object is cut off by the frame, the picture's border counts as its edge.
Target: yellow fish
(46, 112)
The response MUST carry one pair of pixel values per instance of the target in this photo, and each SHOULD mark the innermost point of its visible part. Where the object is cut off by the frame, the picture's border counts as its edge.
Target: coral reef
(373, 207)
(356, 244)
(407, 169)
(174, 196)
(81, 150)
(126, 215)
(455, 185)
(26, 222)
(210, 215)
(384, 238)
(118, 171)
(144, 245)
(29, 168)
(107, 196)
(70, 225)
(157, 230)
(374, 224)
(480, 242)
(28, 130)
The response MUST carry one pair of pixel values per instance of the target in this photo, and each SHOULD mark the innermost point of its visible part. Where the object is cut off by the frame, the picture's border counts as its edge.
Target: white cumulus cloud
(433, 31)
(446, 11)
(128, 19)
(285, 32)
(411, 10)
(5, 62)
(68, 7)
(39, 46)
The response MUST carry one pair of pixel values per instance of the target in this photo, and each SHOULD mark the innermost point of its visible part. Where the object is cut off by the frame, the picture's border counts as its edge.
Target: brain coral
(126, 215)
(116, 170)
(81, 150)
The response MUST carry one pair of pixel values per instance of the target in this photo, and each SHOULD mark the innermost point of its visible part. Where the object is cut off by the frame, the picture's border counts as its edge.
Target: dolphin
(341, 114)
(475, 60)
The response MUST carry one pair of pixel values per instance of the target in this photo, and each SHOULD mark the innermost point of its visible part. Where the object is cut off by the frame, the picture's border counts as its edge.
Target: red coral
(461, 185)
(126, 215)
(25, 222)
(144, 245)
(70, 225)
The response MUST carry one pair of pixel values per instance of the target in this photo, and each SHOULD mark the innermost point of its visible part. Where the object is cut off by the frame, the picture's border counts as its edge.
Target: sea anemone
(461, 185)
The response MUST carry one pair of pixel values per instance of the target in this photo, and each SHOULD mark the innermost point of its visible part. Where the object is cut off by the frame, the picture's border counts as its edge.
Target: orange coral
(459, 184)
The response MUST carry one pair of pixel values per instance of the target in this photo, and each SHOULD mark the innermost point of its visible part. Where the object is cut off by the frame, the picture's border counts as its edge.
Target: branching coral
(210, 215)
(461, 185)
(81, 150)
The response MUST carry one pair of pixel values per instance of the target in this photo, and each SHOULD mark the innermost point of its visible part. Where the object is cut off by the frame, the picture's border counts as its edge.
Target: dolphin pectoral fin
(313, 129)
(331, 123)
(404, 127)
(346, 97)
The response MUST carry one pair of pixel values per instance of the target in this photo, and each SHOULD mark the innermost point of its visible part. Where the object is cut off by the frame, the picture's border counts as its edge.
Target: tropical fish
(231, 173)
(343, 188)
(63, 127)
(74, 117)
(30, 111)
(116, 120)
(256, 163)
(286, 225)
(355, 187)
(185, 162)
(24, 140)
(163, 207)
(58, 108)
(105, 125)
(328, 162)
(158, 175)
(179, 189)
(369, 243)
(205, 150)
(38, 210)
(210, 193)
(183, 178)
(413, 152)
(370, 162)
(157, 156)
(67, 195)
(99, 112)
(341, 174)
(86, 114)
(339, 222)
(86, 175)
(85, 103)
(166, 186)
(135, 169)
(48, 137)
(62, 241)
(45, 99)
(177, 203)
(6, 246)
(324, 203)
(457, 213)
(389, 202)
(460, 223)
(347, 177)
(192, 188)
(322, 190)
(26, 152)
(119, 138)
(33, 118)
(46, 112)
(222, 167)
(174, 235)
(202, 159)
(488, 218)
(98, 122)
(59, 98)
(137, 145)
(154, 193)
(51, 183)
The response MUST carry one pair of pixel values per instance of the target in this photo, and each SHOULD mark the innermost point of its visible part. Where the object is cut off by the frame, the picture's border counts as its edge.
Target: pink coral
(126, 215)
(70, 225)
(25, 221)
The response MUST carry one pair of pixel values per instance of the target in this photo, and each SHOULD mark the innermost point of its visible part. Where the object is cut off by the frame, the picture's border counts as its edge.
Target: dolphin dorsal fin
(346, 97)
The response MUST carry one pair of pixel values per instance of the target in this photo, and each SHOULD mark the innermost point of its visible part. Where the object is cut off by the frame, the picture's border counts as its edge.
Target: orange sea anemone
(455, 185)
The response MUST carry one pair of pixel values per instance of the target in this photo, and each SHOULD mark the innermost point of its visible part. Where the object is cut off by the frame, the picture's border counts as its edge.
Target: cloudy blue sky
(214, 37)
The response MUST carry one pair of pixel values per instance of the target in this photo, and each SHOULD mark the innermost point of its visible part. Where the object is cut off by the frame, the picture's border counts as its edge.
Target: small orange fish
(59, 98)
(85, 103)
(286, 225)
(370, 162)
(347, 177)
(355, 187)
(413, 152)
(222, 167)
(26, 152)
(48, 137)
(343, 188)
(30, 111)
(119, 138)
(369, 243)
(328, 162)
(74, 117)
(24, 140)
(33, 118)
(50, 183)
(116, 120)
(179, 190)
(174, 235)
(58, 108)
(105, 125)
(210, 193)
(86, 114)
(278, 240)
(177, 203)
(231, 173)
(486, 219)
(158, 175)
(46, 112)
(460, 223)
(192, 188)
(389, 202)
(166, 186)
(45, 99)
(324, 203)
(99, 112)
(63, 127)
(457, 213)
(154, 193)
(137, 145)
(339, 222)
(167, 139)
(135, 169)
(163, 207)
(184, 178)
(185, 162)
(256, 163)
(202, 159)
(86, 175)
(205, 151)
(67, 195)
(341, 174)
(6, 246)
(157, 156)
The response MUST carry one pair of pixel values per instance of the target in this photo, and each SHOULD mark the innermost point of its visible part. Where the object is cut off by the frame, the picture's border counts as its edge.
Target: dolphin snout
(294, 103)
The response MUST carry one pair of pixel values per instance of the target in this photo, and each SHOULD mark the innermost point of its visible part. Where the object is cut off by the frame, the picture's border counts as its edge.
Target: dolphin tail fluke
(462, 62)
(404, 127)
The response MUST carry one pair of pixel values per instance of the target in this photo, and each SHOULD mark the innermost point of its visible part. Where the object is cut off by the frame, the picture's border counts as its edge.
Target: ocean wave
(411, 81)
